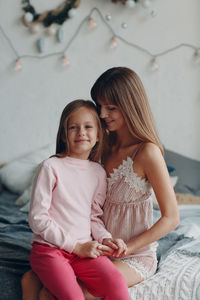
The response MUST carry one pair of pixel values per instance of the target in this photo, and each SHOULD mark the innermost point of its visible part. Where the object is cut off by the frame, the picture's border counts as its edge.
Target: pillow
(188, 199)
(174, 180)
(16, 175)
(187, 170)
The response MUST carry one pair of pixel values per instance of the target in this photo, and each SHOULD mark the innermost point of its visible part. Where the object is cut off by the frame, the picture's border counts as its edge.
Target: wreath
(55, 16)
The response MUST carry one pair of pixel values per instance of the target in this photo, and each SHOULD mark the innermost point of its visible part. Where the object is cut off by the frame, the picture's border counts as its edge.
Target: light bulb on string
(154, 64)
(197, 56)
(92, 23)
(18, 65)
(65, 61)
(113, 43)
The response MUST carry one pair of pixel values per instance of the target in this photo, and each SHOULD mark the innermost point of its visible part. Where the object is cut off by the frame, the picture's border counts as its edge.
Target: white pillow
(174, 180)
(16, 176)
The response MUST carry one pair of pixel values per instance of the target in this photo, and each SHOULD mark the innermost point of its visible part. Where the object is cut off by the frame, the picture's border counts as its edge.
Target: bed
(178, 273)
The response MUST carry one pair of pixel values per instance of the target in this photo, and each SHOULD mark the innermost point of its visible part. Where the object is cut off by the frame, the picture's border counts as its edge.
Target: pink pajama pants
(58, 270)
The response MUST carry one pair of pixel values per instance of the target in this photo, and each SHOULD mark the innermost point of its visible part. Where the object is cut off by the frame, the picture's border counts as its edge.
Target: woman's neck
(125, 140)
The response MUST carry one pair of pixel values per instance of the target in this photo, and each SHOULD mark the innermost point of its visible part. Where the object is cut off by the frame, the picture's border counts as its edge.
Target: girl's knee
(116, 279)
(31, 286)
(29, 278)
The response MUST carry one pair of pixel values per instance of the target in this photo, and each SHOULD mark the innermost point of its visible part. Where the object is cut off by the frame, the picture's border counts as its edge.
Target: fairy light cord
(114, 35)
(75, 34)
(9, 42)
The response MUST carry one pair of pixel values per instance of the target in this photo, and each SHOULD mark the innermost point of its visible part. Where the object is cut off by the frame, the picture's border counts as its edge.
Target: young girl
(134, 163)
(66, 206)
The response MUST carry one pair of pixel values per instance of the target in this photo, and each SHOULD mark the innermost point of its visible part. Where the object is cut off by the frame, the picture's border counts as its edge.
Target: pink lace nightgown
(128, 212)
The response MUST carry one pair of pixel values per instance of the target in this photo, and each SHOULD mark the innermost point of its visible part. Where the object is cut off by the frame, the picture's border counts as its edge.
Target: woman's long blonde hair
(122, 87)
(62, 148)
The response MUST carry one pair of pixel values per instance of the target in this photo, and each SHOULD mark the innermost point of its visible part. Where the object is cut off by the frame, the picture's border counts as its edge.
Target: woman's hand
(118, 246)
(91, 249)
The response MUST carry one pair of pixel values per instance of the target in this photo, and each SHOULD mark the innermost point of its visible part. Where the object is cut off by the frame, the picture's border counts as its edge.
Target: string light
(115, 37)
(197, 56)
(113, 43)
(18, 65)
(154, 64)
(65, 61)
(92, 23)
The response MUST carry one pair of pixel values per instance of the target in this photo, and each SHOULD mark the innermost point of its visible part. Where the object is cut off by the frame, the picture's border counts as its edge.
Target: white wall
(32, 100)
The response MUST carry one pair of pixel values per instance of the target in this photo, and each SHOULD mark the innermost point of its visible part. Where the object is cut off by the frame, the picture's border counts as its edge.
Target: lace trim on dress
(126, 170)
(137, 266)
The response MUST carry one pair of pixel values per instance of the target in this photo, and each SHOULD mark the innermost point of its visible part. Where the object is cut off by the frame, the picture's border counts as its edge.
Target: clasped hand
(109, 247)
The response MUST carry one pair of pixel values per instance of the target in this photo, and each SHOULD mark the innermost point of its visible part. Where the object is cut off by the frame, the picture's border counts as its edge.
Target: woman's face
(112, 116)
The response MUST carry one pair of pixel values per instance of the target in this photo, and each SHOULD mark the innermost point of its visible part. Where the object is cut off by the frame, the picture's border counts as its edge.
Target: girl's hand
(89, 249)
(118, 246)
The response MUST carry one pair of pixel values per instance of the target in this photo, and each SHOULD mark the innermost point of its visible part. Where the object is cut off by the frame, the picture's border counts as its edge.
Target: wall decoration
(113, 43)
(59, 15)
(49, 19)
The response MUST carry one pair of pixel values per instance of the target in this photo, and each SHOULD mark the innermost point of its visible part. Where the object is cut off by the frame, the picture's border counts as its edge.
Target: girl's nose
(82, 131)
(103, 113)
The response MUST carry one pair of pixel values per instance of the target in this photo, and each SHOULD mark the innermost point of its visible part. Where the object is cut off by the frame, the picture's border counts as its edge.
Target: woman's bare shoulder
(149, 152)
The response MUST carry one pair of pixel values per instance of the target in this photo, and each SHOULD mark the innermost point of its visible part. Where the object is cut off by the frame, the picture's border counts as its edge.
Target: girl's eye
(88, 126)
(72, 127)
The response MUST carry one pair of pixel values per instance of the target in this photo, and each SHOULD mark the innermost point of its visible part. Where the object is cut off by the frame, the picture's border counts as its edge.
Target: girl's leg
(31, 286)
(53, 266)
(45, 295)
(101, 278)
(87, 295)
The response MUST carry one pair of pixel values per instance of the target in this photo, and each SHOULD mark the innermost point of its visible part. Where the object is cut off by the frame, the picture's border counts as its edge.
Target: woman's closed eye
(111, 108)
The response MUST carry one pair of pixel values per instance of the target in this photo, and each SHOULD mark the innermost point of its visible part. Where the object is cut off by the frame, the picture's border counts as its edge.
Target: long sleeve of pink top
(67, 201)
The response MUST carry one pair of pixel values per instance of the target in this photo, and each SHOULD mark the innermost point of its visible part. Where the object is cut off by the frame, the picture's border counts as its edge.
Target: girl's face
(81, 131)
(112, 116)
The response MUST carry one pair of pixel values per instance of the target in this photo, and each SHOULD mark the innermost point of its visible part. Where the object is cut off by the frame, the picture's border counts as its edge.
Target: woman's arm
(98, 229)
(155, 170)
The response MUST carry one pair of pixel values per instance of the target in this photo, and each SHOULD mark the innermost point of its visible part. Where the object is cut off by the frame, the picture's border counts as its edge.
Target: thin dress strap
(137, 150)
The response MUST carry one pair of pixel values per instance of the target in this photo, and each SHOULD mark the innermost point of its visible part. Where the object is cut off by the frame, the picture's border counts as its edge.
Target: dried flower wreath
(56, 16)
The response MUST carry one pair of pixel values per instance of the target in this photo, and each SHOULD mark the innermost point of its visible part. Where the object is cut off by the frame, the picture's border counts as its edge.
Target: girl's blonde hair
(122, 87)
(62, 147)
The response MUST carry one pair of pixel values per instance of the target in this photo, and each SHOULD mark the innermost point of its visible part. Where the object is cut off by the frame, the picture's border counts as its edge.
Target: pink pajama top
(128, 212)
(67, 201)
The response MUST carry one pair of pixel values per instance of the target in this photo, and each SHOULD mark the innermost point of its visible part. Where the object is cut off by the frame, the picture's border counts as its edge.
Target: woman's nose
(103, 113)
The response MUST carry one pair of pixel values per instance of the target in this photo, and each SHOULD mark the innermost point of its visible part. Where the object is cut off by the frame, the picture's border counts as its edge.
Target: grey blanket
(15, 236)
